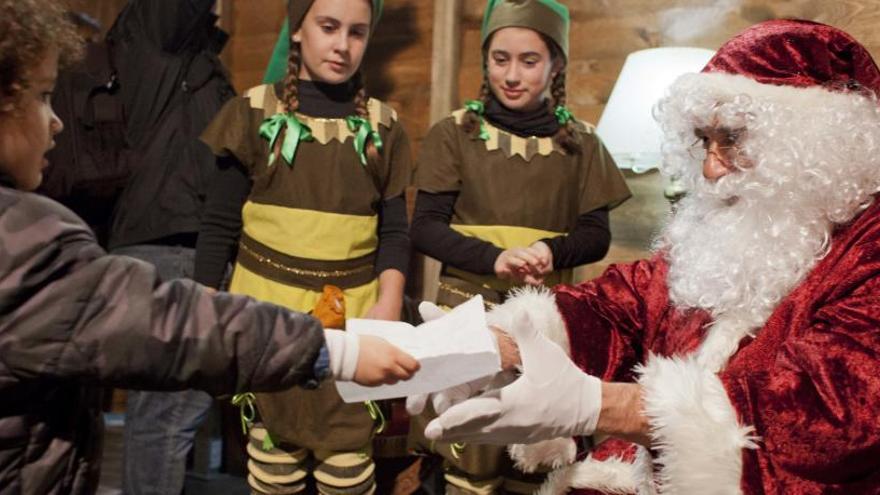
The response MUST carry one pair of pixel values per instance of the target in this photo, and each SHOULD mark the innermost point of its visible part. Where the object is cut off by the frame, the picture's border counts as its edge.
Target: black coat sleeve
(394, 243)
(587, 242)
(69, 312)
(432, 235)
(221, 226)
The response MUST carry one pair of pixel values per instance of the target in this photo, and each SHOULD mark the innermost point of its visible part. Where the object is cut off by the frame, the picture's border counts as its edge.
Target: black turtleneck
(221, 223)
(322, 100)
(539, 122)
(586, 242)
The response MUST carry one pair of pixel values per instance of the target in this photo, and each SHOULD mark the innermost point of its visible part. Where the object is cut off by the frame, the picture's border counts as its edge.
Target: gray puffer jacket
(73, 320)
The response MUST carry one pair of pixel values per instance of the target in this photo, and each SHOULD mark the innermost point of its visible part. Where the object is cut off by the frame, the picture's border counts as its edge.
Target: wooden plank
(446, 55)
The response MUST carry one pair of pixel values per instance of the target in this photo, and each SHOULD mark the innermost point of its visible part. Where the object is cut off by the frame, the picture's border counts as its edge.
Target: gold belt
(303, 272)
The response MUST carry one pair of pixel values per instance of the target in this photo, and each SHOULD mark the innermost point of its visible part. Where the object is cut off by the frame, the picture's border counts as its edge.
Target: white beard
(737, 246)
(739, 260)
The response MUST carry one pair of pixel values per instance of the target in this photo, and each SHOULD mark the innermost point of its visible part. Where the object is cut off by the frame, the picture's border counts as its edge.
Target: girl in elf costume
(513, 190)
(309, 194)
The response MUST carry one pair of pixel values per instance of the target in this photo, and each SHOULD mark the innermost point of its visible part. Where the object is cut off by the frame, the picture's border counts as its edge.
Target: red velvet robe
(808, 383)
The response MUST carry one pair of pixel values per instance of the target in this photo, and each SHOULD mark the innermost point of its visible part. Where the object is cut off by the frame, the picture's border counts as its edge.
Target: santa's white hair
(810, 160)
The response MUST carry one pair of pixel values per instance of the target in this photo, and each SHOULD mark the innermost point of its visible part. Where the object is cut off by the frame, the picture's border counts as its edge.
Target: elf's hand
(515, 264)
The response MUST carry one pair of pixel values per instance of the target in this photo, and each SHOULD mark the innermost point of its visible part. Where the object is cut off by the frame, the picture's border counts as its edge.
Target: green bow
(245, 402)
(363, 130)
(376, 415)
(296, 132)
(478, 108)
(563, 115)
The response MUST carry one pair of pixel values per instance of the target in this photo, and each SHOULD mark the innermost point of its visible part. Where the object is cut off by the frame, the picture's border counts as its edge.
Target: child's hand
(379, 363)
(515, 263)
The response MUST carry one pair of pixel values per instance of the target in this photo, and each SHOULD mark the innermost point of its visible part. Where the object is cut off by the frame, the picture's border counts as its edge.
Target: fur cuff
(694, 427)
(540, 304)
(609, 476)
(554, 454)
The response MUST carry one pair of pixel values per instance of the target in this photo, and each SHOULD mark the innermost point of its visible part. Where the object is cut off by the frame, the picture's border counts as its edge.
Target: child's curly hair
(27, 29)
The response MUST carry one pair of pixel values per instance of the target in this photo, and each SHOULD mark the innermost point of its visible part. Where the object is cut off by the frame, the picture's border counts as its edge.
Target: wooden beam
(226, 13)
(445, 57)
(445, 62)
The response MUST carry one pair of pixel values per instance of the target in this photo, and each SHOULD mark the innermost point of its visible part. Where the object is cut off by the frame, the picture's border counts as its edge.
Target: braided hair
(567, 135)
(291, 103)
(471, 121)
(374, 158)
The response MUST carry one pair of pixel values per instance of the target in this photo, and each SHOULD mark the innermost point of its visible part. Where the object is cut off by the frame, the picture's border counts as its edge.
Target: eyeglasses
(727, 142)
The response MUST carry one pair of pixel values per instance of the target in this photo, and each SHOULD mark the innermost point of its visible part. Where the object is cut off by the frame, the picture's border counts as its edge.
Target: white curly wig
(809, 159)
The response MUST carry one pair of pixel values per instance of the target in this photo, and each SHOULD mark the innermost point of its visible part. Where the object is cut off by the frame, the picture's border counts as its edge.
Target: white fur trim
(721, 85)
(694, 427)
(554, 453)
(609, 476)
(721, 342)
(540, 304)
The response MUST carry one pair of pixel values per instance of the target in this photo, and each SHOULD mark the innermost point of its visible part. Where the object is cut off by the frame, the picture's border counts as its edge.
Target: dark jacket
(171, 84)
(73, 320)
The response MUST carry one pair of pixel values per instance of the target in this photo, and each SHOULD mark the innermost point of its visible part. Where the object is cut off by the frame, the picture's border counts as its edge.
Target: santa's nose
(713, 168)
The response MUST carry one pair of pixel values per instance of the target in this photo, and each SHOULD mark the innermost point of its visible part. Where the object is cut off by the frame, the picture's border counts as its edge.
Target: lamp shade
(627, 125)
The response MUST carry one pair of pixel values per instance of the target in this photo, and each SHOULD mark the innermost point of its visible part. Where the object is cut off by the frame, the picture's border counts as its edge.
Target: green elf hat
(296, 12)
(548, 17)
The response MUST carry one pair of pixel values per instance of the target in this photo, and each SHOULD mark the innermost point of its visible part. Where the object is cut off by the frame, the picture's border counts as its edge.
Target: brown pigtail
(567, 135)
(291, 80)
(290, 97)
(374, 157)
(471, 120)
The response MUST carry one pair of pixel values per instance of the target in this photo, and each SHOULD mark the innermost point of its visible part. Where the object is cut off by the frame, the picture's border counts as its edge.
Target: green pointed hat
(548, 17)
(296, 12)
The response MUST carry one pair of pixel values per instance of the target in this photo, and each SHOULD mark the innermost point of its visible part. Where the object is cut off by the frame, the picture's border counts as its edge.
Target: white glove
(553, 398)
(447, 398)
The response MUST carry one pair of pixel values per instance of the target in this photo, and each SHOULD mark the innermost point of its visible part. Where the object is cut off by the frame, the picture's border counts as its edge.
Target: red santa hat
(790, 52)
(797, 62)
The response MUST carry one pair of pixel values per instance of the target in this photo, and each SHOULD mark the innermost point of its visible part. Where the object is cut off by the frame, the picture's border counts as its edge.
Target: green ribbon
(457, 449)
(247, 412)
(478, 108)
(363, 130)
(563, 115)
(376, 415)
(271, 128)
(268, 443)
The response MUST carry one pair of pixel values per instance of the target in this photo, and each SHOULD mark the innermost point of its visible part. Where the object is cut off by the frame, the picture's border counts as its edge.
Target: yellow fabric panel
(358, 300)
(506, 237)
(311, 234)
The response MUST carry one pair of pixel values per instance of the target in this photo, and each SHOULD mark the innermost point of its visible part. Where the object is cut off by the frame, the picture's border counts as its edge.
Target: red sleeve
(607, 318)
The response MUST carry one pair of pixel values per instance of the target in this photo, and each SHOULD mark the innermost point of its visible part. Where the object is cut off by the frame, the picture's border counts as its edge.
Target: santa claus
(744, 356)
